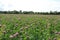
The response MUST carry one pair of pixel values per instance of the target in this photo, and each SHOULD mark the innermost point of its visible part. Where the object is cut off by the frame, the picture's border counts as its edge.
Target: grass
(29, 27)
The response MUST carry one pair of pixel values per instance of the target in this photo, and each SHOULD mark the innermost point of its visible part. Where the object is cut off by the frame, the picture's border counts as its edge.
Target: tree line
(29, 12)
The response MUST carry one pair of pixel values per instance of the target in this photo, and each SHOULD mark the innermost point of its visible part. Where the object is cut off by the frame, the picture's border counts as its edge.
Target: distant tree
(30, 12)
(20, 12)
(0, 12)
(25, 12)
(51, 12)
(15, 12)
(5, 12)
(58, 13)
(55, 12)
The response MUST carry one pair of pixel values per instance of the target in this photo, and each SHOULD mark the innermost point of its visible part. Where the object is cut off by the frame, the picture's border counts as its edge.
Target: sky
(30, 5)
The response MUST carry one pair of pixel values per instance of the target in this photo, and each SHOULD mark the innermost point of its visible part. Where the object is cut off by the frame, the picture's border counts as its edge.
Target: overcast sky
(30, 5)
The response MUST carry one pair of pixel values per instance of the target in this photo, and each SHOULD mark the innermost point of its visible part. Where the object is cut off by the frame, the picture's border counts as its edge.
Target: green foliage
(30, 12)
(29, 27)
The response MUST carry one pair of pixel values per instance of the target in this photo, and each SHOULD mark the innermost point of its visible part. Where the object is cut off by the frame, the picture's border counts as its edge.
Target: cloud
(1, 7)
(31, 5)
